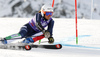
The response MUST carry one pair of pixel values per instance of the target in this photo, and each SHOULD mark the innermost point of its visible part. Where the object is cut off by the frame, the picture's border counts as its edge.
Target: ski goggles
(47, 13)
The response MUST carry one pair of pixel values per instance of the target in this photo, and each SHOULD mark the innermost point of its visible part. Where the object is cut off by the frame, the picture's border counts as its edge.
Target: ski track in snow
(88, 40)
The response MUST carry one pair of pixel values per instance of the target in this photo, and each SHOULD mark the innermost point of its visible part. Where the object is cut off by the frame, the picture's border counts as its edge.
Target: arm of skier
(40, 27)
(50, 27)
(38, 24)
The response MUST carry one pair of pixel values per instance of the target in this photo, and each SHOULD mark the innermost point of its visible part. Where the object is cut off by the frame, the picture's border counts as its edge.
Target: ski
(24, 46)
(53, 46)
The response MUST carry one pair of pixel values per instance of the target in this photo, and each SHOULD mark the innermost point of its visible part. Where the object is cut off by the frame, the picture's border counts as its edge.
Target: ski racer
(41, 20)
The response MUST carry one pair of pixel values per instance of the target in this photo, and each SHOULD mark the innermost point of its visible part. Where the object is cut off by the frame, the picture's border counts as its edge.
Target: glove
(46, 33)
(51, 40)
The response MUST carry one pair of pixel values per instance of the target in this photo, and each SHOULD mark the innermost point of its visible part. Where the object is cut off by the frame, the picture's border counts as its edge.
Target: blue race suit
(30, 28)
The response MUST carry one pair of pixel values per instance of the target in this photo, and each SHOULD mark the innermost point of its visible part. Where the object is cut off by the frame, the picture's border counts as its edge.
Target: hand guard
(46, 33)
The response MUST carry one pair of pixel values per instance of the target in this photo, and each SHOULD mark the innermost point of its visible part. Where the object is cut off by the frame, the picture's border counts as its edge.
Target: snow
(64, 33)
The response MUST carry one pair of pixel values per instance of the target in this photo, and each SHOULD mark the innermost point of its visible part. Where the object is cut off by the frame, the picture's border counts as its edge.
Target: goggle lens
(49, 13)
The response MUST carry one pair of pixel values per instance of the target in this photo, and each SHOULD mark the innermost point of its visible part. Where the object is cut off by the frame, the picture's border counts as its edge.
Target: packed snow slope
(64, 33)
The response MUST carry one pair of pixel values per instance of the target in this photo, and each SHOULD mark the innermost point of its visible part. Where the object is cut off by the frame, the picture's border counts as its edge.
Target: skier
(41, 20)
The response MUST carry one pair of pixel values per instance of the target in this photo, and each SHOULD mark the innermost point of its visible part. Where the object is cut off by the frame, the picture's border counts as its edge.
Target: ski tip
(58, 46)
(27, 47)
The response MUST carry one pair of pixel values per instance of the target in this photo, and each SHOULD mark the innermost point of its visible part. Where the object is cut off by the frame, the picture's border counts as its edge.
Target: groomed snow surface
(64, 33)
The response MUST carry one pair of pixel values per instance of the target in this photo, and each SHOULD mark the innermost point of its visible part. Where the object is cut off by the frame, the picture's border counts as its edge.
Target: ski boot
(51, 40)
(28, 40)
(3, 41)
